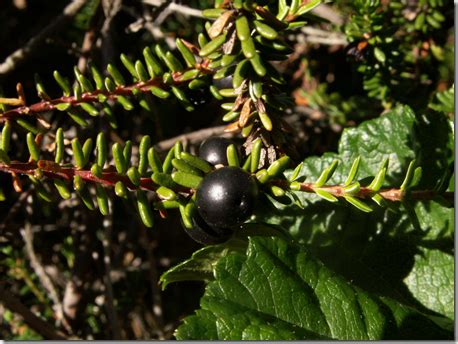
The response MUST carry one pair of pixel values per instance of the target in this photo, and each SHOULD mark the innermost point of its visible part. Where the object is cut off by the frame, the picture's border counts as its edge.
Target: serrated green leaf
(200, 266)
(374, 250)
(431, 281)
(399, 135)
(278, 291)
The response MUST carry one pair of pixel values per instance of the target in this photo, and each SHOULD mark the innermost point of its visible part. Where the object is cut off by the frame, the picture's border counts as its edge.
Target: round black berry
(214, 150)
(226, 197)
(202, 233)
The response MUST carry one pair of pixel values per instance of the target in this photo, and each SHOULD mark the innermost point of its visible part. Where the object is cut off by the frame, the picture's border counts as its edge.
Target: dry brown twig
(193, 137)
(152, 21)
(36, 323)
(327, 12)
(75, 298)
(153, 26)
(104, 42)
(314, 35)
(18, 56)
(324, 11)
(27, 235)
(106, 235)
(174, 7)
(157, 314)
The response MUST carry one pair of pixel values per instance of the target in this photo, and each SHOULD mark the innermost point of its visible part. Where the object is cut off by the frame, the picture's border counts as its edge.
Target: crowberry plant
(325, 211)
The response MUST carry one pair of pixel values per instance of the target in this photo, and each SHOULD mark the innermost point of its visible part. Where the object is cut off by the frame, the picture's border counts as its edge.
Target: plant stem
(92, 97)
(389, 194)
(106, 238)
(54, 171)
(109, 178)
(43, 277)
(36, 323)
(13, 60)
(194, 137)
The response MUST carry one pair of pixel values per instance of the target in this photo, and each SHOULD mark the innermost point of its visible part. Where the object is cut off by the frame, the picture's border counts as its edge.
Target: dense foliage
(326, 212)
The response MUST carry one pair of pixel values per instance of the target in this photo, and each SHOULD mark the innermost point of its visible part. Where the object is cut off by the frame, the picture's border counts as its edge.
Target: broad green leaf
(200, 266)
(431, 281)
(436, 221)
(399, 135)
(279, 291)
(374, 250)
(199, 326)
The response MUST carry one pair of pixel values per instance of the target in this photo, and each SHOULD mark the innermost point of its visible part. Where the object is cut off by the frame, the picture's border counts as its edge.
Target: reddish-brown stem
(389, 194)
(92, 97)
(54, 171)
(110, 177)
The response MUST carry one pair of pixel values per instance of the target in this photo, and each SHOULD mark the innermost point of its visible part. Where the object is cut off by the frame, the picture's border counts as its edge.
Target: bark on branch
(36, 323)
(13, 60)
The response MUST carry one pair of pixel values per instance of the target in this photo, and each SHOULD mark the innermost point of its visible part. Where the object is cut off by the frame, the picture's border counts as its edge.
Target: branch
(92, 97)
(157, 313)
(81, 276)
(323, 11)
(106, 235)
(54, 171)
(109, 178)
(174, 7)
(12, 61)
(105, 42)
(37, 324)
(162, 10)
(198, 136)
(38, 268)
(327, 12)
(389, 194)
(194, 137)
(314, 35)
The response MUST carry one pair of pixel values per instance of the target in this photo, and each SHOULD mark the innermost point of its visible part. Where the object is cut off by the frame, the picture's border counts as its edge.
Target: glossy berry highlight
(226, 197)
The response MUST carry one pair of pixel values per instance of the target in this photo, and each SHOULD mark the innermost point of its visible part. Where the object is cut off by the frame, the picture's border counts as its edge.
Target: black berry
(214, 150)
(202, 233)
(226, 197)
